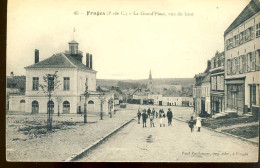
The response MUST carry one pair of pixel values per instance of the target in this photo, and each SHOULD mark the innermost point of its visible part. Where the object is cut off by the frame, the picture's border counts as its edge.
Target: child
(152, 121)
(198, 123)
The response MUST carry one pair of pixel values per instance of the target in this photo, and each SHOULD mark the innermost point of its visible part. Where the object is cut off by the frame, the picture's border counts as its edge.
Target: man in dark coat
(191, 123)
(169, 116)
(144, 117)
(139, 116)
(149, 112)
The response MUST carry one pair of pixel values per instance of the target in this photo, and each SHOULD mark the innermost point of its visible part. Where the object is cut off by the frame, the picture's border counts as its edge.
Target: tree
(50, 84)
(102, 100)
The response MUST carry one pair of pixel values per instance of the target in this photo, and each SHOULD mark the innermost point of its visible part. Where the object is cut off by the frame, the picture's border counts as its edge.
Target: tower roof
(60, 60)
(73, 42)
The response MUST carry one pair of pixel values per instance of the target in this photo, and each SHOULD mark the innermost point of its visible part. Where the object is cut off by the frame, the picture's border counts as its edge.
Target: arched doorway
(90, 106)
(22, 105)
(35, 107)
(50, 105)
(66, 107)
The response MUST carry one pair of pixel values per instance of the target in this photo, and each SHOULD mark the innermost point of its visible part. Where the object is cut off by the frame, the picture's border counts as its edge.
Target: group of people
(193, 122)
(152, 114)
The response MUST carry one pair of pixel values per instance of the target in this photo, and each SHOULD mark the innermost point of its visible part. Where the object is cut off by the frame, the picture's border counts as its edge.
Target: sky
(123, 46)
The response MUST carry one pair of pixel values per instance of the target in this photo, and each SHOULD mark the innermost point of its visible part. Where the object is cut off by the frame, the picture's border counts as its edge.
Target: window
(257, 60)
(222, 83)
(228, 67)
(219, 62)
(66, 83)
(241, 64)
(241, 38)
(249, 59)
(233, 68)
(229, 44)
(66, 107)
(236, 40)
(244, 63)
(237, 65)
(217, 82)
(51, 83)
(253, 62)
(257, 30)
(35, 106)
(250, 33)
(253, 94)
(245, 35)
(35, 83)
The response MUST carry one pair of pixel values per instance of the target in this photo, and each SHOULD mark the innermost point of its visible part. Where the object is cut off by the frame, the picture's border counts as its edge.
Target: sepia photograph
(132, 81)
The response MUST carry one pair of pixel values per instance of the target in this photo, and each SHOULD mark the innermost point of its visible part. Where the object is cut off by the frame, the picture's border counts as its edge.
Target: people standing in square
(169, 116)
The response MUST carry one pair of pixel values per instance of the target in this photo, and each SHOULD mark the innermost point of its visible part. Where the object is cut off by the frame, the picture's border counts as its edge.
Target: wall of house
(82, 75)
(251, 77)
(16, 103)
(62, 72)
(42, 102)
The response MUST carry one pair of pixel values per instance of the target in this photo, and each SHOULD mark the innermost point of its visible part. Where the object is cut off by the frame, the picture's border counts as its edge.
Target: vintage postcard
(133, 81)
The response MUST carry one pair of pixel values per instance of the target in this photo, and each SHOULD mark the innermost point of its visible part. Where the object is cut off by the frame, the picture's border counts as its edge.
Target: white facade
(68, 98)
(205, 93)
(242, 50)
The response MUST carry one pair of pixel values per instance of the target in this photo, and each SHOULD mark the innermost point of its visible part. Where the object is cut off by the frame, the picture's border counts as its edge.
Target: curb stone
(96, 143)
(244, 139)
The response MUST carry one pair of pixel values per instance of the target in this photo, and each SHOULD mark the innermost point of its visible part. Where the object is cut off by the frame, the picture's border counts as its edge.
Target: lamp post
(102, 100)
(59, 101)
(86, 94)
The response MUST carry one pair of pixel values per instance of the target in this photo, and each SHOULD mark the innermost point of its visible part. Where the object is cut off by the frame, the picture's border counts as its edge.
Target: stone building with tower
(73, 77)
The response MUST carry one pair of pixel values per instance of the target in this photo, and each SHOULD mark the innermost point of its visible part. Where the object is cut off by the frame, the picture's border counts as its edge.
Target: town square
(118, 83)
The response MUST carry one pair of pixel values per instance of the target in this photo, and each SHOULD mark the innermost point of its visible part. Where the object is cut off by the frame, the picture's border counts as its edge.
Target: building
(73, 77)
(242, 52)
(201, 92)
(217, 94)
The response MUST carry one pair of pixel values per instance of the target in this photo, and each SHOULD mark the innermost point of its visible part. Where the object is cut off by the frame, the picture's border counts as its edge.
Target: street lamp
(59, 101)
(102, 100)
(86, 94)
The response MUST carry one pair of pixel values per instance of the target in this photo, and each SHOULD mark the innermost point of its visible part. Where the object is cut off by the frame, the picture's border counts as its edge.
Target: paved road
(171, 144)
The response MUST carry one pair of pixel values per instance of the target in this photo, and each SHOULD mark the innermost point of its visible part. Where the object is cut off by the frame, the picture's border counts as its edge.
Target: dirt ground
(28, 140)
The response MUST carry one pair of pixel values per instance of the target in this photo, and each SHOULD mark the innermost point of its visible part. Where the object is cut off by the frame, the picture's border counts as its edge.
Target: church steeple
(150, 75)
(150, 81)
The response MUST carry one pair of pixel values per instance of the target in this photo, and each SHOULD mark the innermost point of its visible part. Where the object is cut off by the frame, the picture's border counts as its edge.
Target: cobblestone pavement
(171, 144)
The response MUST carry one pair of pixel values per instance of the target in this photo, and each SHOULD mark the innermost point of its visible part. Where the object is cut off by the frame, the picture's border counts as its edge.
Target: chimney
(90, 62)
(208, 64)
(87, 60)
(36, 58)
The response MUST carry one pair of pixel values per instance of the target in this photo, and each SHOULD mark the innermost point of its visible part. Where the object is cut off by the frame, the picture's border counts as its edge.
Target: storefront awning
(235, 82)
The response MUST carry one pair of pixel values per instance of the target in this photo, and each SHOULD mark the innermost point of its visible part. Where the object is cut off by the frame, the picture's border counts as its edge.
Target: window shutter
(253, 61)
